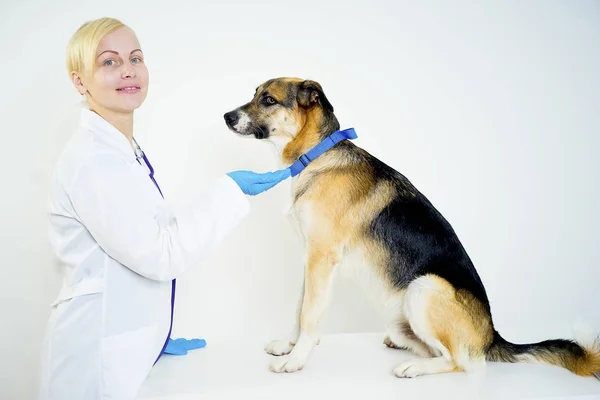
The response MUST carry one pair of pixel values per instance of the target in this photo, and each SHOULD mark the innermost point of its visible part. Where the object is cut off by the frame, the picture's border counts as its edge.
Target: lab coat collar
(108, 133)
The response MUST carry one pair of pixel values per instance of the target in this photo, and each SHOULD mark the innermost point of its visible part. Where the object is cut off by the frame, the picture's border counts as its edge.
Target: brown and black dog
(348, 202)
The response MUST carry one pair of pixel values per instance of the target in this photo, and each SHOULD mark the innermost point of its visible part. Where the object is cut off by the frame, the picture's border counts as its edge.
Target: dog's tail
(580, 357)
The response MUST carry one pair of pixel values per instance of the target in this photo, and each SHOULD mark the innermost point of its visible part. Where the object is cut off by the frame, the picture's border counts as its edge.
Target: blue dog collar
(321, 148)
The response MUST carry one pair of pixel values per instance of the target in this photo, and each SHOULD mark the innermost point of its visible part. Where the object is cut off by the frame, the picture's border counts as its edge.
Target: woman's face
(120, 81)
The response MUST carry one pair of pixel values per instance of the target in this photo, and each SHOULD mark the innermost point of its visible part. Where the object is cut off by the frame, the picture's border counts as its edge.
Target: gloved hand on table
(180, 347)
(253, 183)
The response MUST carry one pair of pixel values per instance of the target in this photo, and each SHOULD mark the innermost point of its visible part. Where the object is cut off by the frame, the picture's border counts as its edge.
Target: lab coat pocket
(126, 361)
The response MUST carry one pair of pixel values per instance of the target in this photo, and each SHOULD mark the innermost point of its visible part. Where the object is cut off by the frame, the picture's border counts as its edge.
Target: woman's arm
(158, 242)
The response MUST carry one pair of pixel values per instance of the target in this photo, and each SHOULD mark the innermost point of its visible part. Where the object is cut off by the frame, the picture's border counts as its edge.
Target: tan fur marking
(458, 321)
(589, 364)
(278, 90)
(321, 263)
(307, 136)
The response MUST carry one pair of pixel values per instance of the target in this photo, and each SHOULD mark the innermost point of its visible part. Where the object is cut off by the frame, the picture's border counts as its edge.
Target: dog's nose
(231, 118)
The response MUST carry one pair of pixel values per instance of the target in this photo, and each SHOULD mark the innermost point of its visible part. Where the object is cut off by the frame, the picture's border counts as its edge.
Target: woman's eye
(136, 60)
(109, 63)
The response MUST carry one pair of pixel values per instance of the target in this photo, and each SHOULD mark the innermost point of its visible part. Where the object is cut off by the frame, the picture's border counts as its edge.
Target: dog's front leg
(317, 289)
(285, 346)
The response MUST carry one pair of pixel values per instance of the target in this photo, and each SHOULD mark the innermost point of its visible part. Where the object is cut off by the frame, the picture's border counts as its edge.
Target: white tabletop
(352, 366)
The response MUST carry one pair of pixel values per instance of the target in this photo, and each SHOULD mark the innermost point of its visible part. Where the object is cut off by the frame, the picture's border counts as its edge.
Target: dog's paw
(388, 342)
(279, 347)
(409, 369)
(286, 364)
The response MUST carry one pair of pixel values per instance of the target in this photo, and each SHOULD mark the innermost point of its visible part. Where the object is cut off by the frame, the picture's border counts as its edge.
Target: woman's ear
(78, 83)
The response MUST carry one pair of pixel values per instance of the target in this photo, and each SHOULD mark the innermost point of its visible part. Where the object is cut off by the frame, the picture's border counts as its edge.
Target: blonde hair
(81, 49)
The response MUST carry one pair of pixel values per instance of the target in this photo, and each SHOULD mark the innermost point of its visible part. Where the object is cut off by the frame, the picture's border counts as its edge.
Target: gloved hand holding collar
(253, 183)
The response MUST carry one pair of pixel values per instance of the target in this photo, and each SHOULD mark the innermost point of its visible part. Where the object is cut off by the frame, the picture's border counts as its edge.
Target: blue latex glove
(253, 183)
(180, 347)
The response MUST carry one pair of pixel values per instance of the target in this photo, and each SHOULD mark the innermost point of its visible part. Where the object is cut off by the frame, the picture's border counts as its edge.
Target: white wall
(490, 109)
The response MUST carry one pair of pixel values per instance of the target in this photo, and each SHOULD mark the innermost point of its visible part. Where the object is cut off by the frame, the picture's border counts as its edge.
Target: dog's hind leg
(401, 336)
(321, 262)
(452, 322)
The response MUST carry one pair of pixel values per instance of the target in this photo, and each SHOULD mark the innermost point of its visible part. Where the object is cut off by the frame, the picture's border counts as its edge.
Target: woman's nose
(128, 71)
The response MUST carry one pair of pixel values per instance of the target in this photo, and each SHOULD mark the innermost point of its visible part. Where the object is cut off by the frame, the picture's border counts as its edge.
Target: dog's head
(283, 107)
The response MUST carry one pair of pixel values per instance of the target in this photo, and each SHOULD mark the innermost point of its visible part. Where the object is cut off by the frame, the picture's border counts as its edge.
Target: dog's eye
(269, 101)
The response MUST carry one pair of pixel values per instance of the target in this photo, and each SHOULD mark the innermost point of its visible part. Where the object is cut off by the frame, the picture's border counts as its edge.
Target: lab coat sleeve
(151, 237)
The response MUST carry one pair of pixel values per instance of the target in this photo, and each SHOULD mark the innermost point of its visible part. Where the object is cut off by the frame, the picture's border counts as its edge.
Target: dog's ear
(311, 92)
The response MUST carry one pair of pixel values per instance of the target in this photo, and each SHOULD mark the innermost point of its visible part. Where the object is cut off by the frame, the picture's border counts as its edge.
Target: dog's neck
(317, 127)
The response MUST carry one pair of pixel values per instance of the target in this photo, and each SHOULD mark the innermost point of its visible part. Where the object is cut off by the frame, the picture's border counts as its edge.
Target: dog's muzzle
(232, 119)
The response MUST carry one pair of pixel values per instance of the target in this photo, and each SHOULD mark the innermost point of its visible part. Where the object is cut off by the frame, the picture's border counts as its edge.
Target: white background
(490, 108)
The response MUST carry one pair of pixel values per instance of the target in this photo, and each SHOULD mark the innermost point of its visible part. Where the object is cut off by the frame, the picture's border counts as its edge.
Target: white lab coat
(120, 245)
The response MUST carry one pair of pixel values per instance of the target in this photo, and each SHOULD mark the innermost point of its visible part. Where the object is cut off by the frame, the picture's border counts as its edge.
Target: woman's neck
(122, 121)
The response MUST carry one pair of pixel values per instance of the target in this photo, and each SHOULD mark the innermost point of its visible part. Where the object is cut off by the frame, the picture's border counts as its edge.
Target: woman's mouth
(129, 89)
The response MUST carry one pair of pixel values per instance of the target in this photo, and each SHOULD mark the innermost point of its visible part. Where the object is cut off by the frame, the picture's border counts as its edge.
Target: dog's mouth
(260, 132)
(257, 132)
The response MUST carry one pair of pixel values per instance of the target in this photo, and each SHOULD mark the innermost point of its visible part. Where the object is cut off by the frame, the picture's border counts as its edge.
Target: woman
(119, 244)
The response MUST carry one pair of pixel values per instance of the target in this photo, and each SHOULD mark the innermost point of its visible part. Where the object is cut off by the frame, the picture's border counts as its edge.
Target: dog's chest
(356, 266)
(301, 216)
(301, 210)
